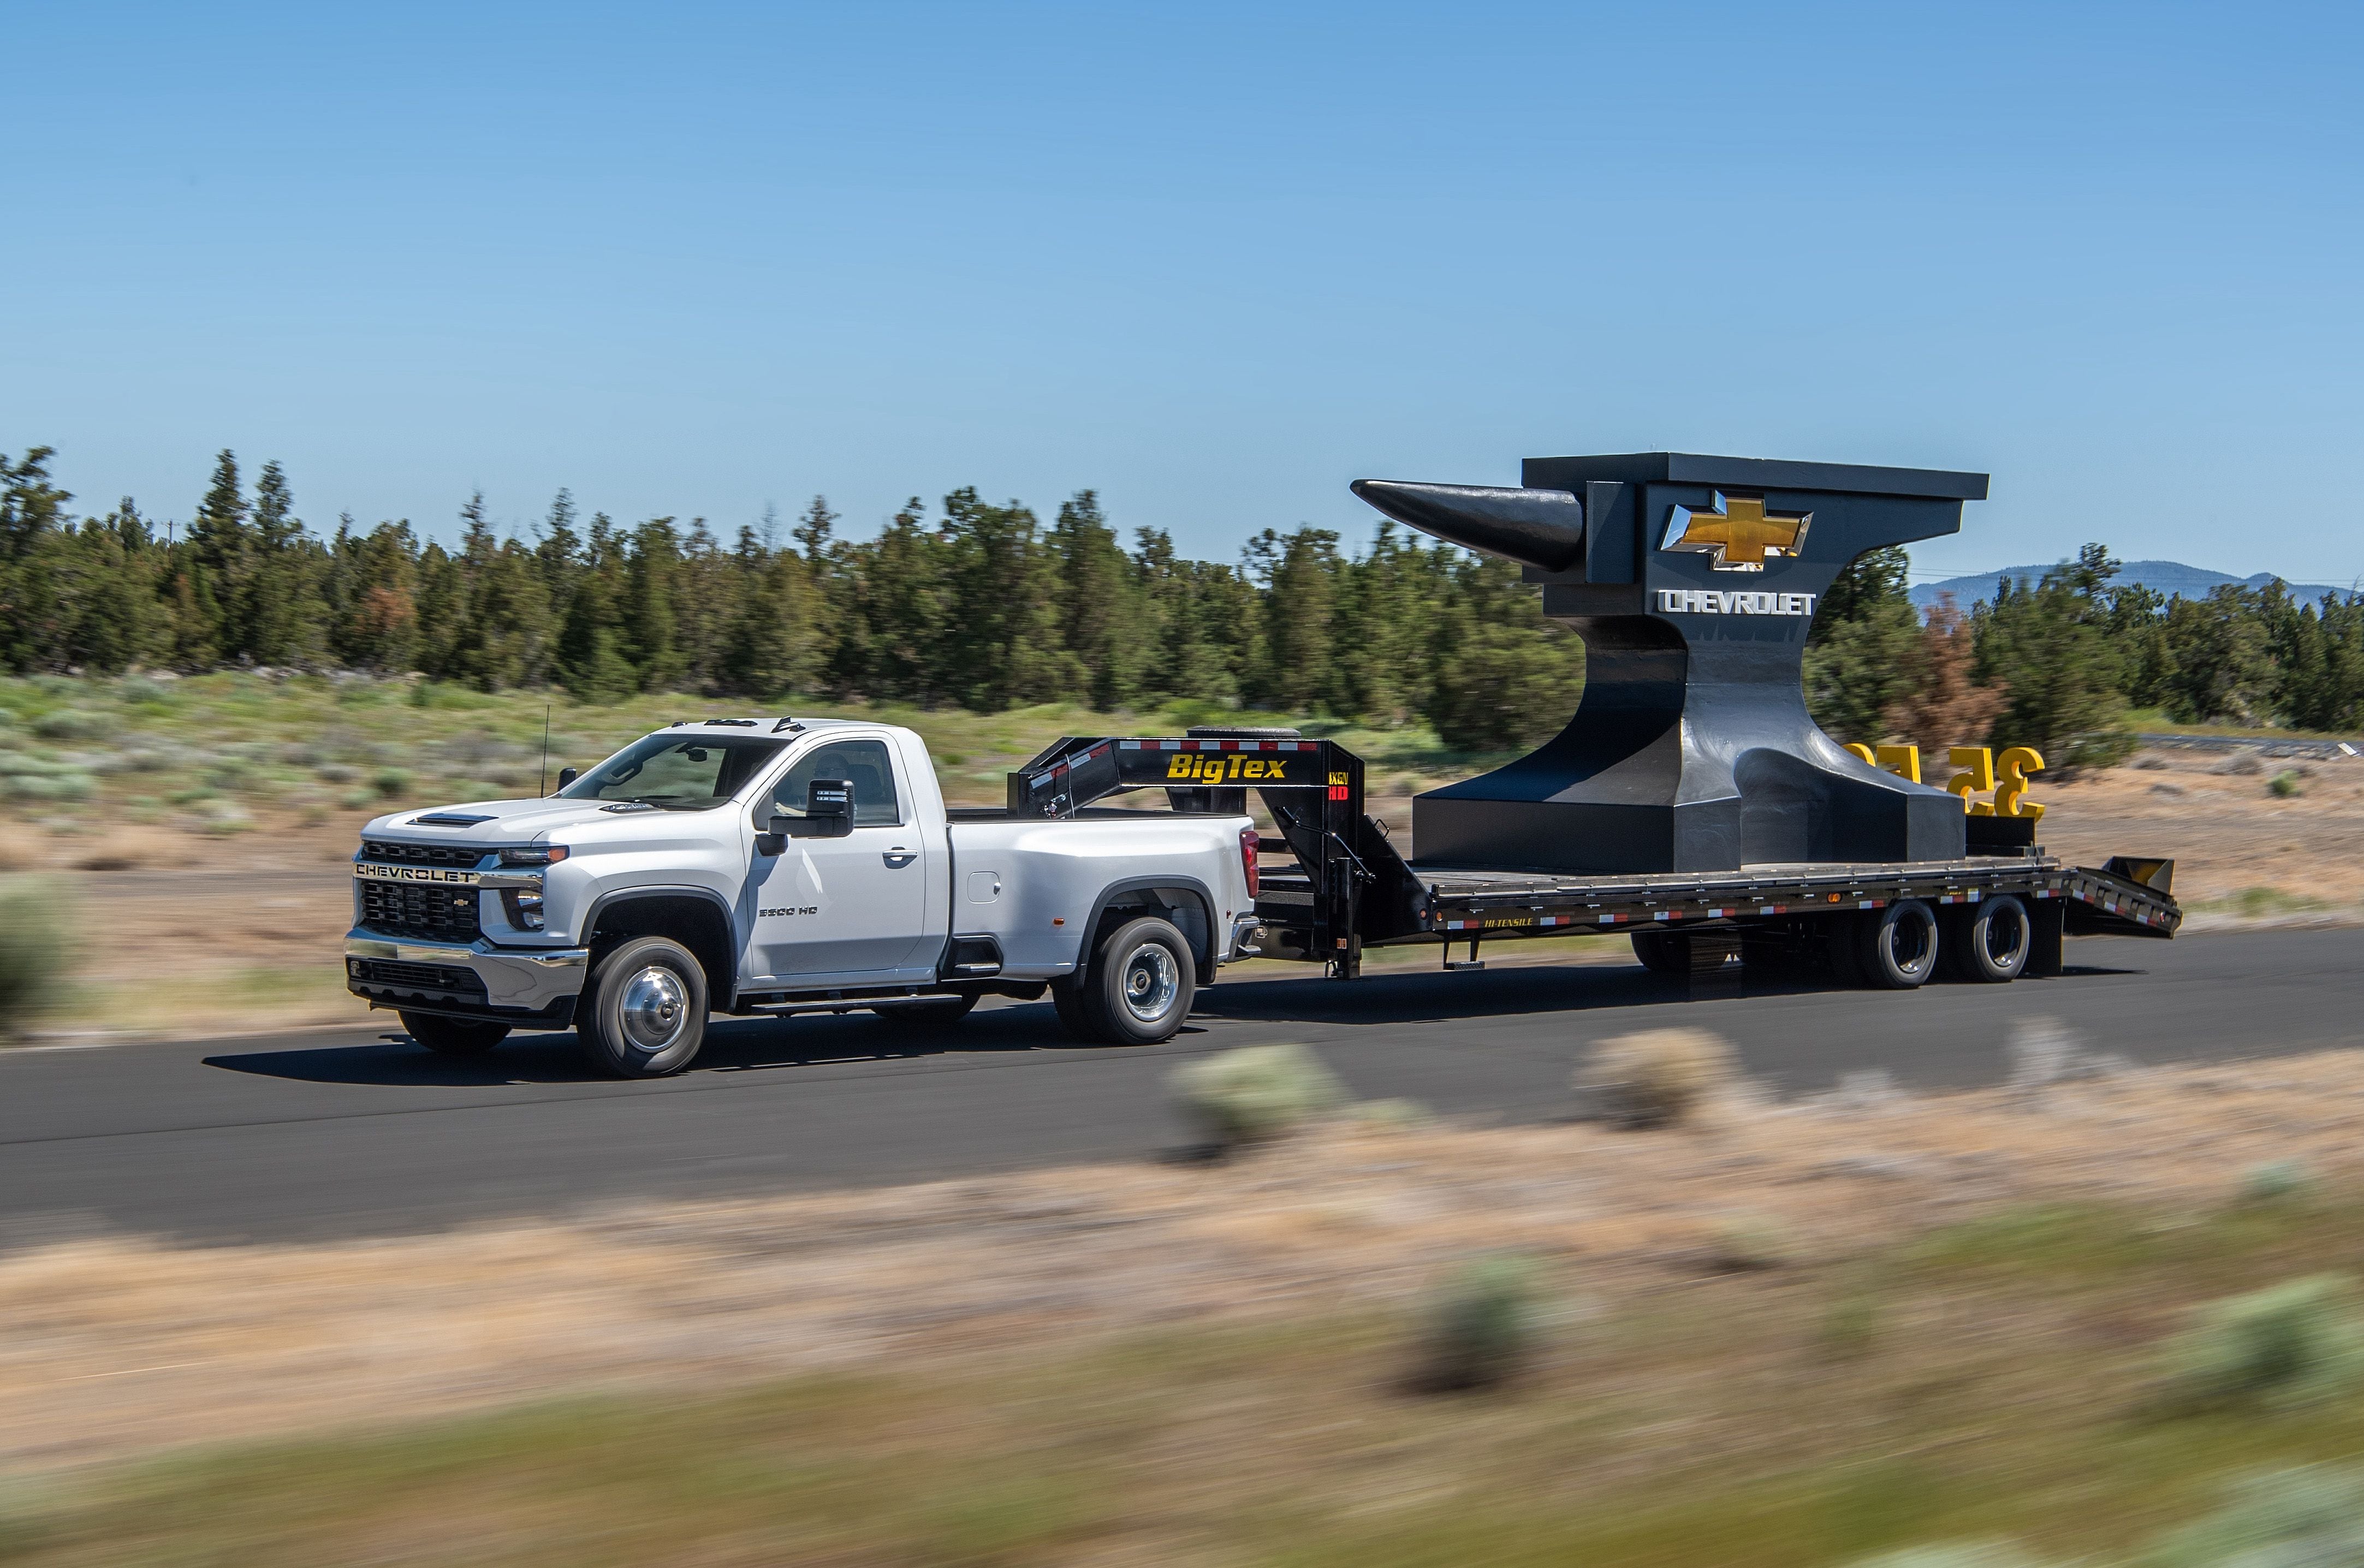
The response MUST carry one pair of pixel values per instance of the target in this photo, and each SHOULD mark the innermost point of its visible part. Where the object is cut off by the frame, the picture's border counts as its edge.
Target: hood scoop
(447, 820)
(619, 806)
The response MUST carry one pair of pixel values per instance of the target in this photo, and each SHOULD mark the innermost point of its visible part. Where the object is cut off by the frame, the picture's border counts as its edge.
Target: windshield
(678, 772)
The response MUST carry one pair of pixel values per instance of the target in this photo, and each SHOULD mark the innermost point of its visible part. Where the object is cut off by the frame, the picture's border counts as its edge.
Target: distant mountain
(2169, 577)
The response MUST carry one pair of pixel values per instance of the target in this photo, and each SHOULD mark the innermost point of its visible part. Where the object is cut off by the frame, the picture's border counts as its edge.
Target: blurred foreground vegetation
(2023, 1377)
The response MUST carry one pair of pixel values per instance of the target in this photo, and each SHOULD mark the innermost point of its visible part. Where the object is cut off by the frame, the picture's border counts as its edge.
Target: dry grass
(109, 1345)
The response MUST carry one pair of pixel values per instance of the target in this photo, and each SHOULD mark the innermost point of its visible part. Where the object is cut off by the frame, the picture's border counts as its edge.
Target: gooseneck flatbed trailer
(1331, 882)
(1691, 799)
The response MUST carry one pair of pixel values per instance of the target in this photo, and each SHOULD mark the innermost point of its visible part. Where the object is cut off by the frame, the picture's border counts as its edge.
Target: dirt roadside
(112, 1345)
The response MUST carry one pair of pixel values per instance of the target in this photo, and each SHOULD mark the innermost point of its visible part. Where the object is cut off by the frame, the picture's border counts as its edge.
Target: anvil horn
(1533, 527)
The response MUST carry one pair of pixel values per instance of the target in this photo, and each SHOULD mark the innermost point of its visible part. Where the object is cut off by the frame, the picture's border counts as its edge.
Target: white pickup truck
(777, 865)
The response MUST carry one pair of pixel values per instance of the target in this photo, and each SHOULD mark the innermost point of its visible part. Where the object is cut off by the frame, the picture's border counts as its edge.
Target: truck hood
(501, 821)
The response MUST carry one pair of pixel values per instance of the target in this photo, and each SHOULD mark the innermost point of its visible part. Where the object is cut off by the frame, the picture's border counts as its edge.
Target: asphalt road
(349, 1133)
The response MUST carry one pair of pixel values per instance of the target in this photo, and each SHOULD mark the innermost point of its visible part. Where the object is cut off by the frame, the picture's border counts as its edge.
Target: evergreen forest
(986, 606)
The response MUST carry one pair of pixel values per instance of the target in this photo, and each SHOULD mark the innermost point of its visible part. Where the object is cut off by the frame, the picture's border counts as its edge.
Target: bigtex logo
(1737, 533)
(1218, 767)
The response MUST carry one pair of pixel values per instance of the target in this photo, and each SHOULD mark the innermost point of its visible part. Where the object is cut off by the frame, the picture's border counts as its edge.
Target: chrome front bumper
(516, 980)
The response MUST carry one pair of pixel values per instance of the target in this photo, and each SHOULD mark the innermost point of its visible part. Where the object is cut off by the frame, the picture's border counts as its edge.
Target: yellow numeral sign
(1978, 767)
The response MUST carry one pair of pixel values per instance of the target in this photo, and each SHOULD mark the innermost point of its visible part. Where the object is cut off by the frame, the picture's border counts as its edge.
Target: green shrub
(390, 783)
(1954, 1554)
(70, 724)
(2276, 1181)
(1655, 1077)
(33, 949)
(141, 689)
(2284, 1518)
(1744, 1242)
(1481, 1325)
(1256, 1093)
(2286, 784)
(2286, 1344)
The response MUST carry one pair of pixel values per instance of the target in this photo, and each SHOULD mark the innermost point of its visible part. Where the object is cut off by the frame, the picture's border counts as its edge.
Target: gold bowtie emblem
(1738, 532)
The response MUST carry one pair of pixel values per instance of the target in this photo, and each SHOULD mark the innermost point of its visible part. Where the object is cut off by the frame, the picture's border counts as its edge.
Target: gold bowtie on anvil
(1737, 531)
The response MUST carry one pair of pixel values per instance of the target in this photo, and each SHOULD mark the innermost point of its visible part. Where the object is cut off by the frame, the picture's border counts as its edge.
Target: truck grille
(423, 910)
(448, 981)
(464, 856)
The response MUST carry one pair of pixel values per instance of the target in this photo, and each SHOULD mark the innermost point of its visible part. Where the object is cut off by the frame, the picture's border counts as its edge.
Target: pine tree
(1860, 648)
(1099, 608)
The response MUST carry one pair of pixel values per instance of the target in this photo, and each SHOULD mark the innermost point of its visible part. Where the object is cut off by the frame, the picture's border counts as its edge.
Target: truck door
(850, 909)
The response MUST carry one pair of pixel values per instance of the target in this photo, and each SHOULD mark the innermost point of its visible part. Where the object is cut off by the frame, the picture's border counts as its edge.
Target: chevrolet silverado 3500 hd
(778, 865)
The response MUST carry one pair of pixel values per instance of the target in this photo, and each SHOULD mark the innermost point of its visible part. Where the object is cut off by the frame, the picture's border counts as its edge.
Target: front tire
(645, 1015)
(1990, 940)
(452, 1037)
(1139, 986)
(1896, 947)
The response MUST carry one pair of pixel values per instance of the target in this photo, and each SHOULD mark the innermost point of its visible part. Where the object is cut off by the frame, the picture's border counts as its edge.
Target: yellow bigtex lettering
(1214, 768)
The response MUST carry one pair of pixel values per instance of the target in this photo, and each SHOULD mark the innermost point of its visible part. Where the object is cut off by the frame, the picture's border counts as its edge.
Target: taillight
(1248, 859)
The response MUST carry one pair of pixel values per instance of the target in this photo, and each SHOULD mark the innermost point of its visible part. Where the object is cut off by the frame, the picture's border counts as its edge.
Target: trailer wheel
(1663, 952)
(1990, 940)
(645, 1015)
(1896, 947)
(1677, 954)
(452, 1037)
(1139, 986)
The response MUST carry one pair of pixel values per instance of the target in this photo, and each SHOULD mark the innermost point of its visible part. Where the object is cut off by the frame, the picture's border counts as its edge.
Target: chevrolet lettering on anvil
(371, 871)
(1727, 602)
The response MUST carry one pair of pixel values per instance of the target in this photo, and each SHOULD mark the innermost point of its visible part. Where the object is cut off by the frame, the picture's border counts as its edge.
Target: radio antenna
(545, 748)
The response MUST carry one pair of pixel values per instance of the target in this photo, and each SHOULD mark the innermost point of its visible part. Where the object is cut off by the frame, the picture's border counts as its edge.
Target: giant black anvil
(1693, 581)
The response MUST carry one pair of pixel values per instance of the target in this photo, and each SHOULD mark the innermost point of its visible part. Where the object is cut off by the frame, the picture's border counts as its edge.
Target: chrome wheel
(1151, 979)
(655, 1008)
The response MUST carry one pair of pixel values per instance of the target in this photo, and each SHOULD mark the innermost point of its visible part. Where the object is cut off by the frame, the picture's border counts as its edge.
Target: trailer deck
(1344, 887)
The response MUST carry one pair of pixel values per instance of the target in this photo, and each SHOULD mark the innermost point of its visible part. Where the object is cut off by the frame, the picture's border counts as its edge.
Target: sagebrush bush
(1256, 1093)
(1954, 1554)
(1655, 1077)
(2277, 1181)
(33, 945)
(2286, 785)
(2283, 1519)
(70, 724)
(1745, 1242)
(1481, 1325)
(2287, 1344)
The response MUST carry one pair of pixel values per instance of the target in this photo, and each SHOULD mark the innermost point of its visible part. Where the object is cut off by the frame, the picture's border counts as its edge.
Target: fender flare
(1182, 884)
(718, 998)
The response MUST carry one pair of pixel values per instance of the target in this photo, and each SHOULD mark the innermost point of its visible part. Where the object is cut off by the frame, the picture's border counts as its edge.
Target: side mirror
(567, 776)
(829, 814)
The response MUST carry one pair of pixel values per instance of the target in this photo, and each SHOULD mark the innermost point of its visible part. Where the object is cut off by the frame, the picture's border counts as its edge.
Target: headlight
(534, 855)
(525, 909)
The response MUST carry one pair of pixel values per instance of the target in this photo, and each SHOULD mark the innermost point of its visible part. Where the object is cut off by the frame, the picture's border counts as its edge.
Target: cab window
(864, 763)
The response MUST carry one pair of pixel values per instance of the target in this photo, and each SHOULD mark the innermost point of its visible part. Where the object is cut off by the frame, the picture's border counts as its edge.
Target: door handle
(899, 857)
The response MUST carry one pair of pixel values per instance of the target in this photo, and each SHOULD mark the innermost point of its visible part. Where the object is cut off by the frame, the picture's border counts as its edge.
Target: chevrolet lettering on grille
(373, 872)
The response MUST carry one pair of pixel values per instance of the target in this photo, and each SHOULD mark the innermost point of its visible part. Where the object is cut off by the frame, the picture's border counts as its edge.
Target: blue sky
(1214, 260)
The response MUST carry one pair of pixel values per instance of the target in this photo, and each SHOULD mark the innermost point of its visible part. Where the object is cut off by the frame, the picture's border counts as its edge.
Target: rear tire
(1896, 949)
(1067, 1001)
(934, 1010)
(452, 1037)
(1666, 953)
(1990, 940)
(644, 1015)
(1140, 985)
